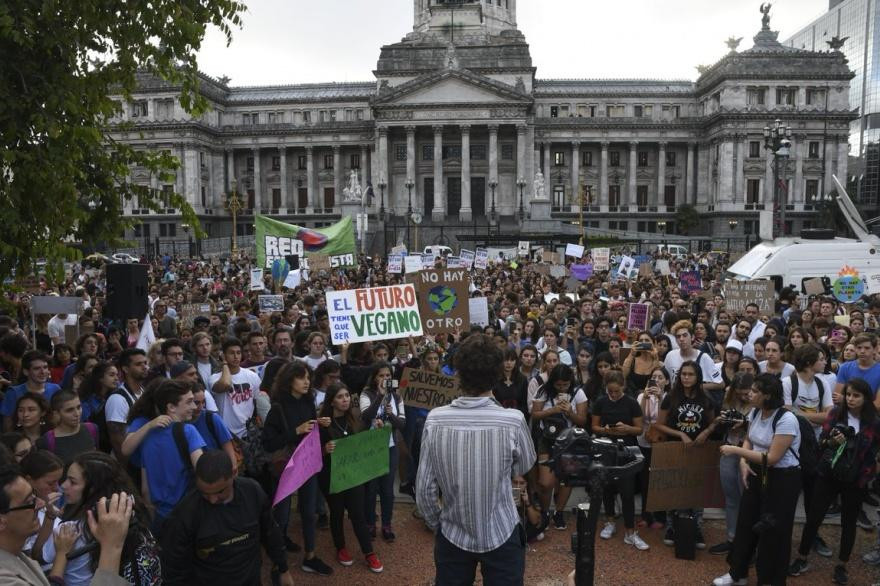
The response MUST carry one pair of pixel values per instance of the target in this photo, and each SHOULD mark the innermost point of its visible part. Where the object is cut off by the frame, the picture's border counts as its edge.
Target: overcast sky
(307, 41)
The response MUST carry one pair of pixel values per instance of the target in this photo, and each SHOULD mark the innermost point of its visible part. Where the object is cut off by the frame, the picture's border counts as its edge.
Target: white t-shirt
(854, 422)
(236, 406)
(116, 409)
(807, 397)
(56, 326)
(757, 331)
(674, 360)
(761, 436)
(578, 398)
(787, 369)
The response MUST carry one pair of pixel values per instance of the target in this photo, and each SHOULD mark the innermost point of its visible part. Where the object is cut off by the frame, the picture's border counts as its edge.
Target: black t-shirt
(690, 416)
(514, 395)
(624, 410)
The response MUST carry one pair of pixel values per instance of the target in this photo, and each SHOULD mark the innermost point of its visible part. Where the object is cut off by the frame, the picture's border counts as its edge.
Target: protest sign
(395, 263)
(540, 269)
(575, 250)
(572, 284)
(641, 259)
(841, 320)
(305, 462)
(557, 271)
(582, 272)
(412, 263)
(293, 280)
(645, 270)
(872, 283)
(601, 259)
(479, 311)
(738, 294)
(662, 265)
(359, 458)
(428, 261)
(443, 300)
(318, 262)
(481, 258)
(690, 282)
(453, 262)
(626, 265)
(275, 239)
(270, 303)
(522, 249)
(848, 288)
(684, 476)
(375, 313)
(466, 258)
(257, 280)
(188, 312)
(553, 258)
(426, 390)
(638, 316)
(814, 286)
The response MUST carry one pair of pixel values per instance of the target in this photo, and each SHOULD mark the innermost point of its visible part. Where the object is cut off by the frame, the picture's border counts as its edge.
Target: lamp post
(233, 204)
(661, 225)
(409, 210)
(777, 139)
(186, 227)
(521, 183)
(382, 185)
(733, 224)
(493, 215)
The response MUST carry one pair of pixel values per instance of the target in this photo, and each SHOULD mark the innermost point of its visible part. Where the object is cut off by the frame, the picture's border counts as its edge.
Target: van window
(777, 282)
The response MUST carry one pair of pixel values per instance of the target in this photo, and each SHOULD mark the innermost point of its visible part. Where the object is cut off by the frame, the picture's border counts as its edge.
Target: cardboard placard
(552, 258)
(575, 250)
(187, 312)
(738, 294)
(638, 316)
(270, 303)
(257, 280)
(557, 271)
(466, 258)
(375, 313)
(443, 300)
(318, 262)
(645, 270)
(522, 248)
(412, 263)
(626, 266)
(540, 269)
(427, 390)
(293, 280)
(814, 286)
(662, 265)
(395, 263)
(601, 259)
(453, 262)
(481, 258)
(684, 476)
(428, 261)
(872, 283)
(479, 311)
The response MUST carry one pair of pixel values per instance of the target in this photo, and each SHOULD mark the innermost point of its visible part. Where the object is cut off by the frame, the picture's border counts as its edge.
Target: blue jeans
(307, 498)
(731, 484)
(384, 486)
(412, 435)
(505, 565)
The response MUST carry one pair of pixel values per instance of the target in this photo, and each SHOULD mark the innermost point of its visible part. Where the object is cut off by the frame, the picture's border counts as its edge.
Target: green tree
(63, 179)
(687, 218)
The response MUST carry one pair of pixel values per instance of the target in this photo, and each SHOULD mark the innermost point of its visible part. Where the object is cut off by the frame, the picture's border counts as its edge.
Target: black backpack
(794, 388)
(808, 453)
(99, 418)
(179, 435)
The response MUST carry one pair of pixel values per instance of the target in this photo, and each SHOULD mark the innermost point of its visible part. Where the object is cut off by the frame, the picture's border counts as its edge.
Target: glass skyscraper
(857, 21)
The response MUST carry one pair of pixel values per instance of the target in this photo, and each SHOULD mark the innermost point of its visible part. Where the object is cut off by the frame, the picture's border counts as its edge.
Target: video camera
(577, 457)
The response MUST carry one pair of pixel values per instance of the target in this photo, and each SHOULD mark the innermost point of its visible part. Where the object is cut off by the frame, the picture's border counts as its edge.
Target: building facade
(458, 135)
(853, 26)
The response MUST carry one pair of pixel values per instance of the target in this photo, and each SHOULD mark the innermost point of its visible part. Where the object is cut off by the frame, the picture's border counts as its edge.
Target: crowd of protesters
(197, 427)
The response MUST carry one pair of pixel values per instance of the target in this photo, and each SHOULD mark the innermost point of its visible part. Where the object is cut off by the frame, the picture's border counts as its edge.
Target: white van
(816, 253)
(675, 250)
(438, 250)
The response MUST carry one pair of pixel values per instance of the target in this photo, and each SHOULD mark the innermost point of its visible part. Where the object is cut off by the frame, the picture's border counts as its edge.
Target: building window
(754, 149)
(586, 111)
(427, 152)
(812, 190)
(452, 151)
(815, 97)
(276, 163)
(750, 227)
(669, 196)
(813, 150)
(328, 161)
(203, 160)
(478, 152)
(507, 152)
(753, 191)
(250, 164)
(559, 158)
(587, 158)
(163, 230)
(643, 111)
(354, 161)
(276, 198)
(140, 109)
(671, 112)
(615, 111)
(554, 111)
(614, 158)
(642, 159)
(349, 115)
(137, 231)
(400, 152)
(204, 197)
(756, 96)
(670, 158)
(588, 196)
(302, 162)
(786, 96)
(558, 196)
(271, 117)
(359, 114)
(307, 117)
(614, 195)
(642, 196)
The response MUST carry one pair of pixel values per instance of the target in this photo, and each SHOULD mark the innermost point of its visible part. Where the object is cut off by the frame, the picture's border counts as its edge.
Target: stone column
(739, 189)
(521, 157)
(314, 196)
(661, 173)
(411, 152)
(338, 181)
(631, 175)
(798, 149)
(842, 158)
(382, 165)
(829, 147)
(725, 173)
(603, 175)
(465, 213)
(575, 172)
(690, 180)
(365, 176)
(769, 191)
(548, 161)
(286, 201)
(230, 169)
(493, 154)
(259, 199)
(439, 212)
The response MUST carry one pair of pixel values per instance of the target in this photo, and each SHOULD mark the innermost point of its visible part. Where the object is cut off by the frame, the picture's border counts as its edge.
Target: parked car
(438, 250)
(674, 250)
(125, 258)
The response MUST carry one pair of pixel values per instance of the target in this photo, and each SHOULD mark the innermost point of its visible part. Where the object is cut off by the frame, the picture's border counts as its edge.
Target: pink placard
(305, 462)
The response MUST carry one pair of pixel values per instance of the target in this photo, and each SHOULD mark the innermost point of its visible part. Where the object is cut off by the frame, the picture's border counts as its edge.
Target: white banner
(395, 263)
(479, 311)
(376, 313)
(575, 250)
(481, 258)
(601, 259)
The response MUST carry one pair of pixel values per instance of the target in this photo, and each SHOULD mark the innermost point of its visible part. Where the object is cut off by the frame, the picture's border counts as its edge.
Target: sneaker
(608, 530)
(343, 557)
(374, 564)
(636, 541)
(559, 520)
(833, 510)
(701, 542)
(864, 522)
(290, 546)
(407, 488)
(798, 567)
(726, 580)
(323, 522)
(821, 548)
(417, 514)
(669, 536)
(840, 576)
(388, 534)
(872, 558)
(316, 566)
(870, 500)
(721, 549)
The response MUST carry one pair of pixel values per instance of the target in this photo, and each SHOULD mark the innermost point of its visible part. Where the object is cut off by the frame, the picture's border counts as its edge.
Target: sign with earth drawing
(848, 288)
(443, 300)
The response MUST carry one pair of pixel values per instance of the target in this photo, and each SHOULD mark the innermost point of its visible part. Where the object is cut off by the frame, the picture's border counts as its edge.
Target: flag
(147, 337)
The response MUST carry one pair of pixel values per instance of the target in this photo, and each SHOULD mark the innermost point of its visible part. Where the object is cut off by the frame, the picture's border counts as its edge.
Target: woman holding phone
(650, 400)
(639, 364)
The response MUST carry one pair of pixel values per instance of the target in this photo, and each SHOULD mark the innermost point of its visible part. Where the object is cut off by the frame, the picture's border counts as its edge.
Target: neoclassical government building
(459, 131)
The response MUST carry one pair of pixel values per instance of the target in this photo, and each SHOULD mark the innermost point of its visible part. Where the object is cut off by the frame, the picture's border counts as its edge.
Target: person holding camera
(770, 470)
(618, 416)
(639, 364)
(850, 446)
(531, 516)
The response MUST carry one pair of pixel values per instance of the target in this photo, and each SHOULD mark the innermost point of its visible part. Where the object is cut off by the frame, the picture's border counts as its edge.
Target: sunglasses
(27, 506)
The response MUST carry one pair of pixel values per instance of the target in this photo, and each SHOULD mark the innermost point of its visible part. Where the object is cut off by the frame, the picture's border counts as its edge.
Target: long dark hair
(869, 410)
(596, 386)
(42, 403)
(560, 372)
(284, 379)
(371, 382)
(677, 394)
(516, 375)
(327, 407)
(91, 385)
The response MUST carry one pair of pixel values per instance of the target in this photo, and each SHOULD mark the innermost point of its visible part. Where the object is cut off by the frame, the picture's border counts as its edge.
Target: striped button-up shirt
(470, 451)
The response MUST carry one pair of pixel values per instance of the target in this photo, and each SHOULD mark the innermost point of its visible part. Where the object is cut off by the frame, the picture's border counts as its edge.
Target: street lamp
(382, 185)
(778, 141)
(409, 209)
(493, 215)
(521, 183)
(733, 224)
(661, 225)
(233, 204)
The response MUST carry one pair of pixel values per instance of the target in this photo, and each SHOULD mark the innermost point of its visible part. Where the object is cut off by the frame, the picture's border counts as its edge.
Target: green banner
(359, 458)
(277, 240)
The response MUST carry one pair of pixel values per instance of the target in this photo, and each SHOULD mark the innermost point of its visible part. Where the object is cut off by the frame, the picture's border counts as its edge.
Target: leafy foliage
(63, 179)
(687, 219)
